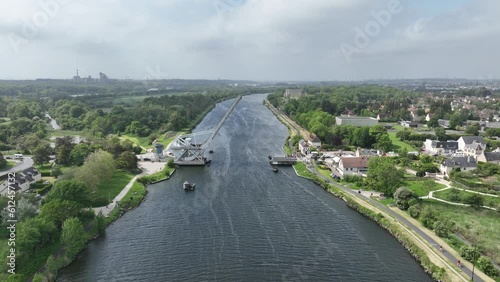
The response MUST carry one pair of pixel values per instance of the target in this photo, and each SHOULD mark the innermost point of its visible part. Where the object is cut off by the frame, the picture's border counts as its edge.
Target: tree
(474, 200)
(379, 178)
(441, 229)
(71, 190)
(484, 263)
(470, 253)
(41, 154)
(72, 236)
(427, 216)
(98, 167)
(433, 123)
(440, 134)
(473, 129)
(79, 153)
(126, 160)
(384, 143)
(64, 146)
(403, 196)
(58, 210)
(3, 161)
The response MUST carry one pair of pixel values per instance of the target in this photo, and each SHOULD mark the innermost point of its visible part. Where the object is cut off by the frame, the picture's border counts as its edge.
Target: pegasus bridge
(189, 149)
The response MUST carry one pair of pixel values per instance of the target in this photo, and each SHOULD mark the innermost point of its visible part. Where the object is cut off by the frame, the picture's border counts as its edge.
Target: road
(27, 162)
(451, 259)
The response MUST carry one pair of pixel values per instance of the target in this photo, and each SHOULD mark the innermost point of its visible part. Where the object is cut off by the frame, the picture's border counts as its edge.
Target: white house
(489, 157)
(469, 140)
(436, 147)
(23, 181)
(353, 166)
(314, 141)
(304, 147)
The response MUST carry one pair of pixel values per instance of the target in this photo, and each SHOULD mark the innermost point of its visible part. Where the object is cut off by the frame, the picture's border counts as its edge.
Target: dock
(283, 160)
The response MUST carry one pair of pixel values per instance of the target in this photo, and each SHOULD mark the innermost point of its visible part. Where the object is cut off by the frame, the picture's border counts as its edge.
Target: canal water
(244, 222)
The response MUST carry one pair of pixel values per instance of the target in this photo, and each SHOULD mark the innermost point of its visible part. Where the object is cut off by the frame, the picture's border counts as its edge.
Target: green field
(398, 144)
(459, 196)
(106, 191)
(325, 172)
(61, 133)
(302, 170)
(477, 226)
(423, 187)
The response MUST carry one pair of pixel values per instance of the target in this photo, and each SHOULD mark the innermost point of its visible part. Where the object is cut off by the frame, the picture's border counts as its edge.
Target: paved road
(22, 165)
(451, 259)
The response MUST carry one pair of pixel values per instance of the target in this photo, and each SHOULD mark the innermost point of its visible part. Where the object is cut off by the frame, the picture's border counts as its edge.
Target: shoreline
(407, 239)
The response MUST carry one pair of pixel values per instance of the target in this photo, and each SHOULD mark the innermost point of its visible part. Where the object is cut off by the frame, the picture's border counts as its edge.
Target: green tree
(72, 236)
(474, 200)
(64, 146)
(79, 153)
(473, 129)
(59, 210)
(433, 123)
(384, 143)
(484, 263)
(440, 133)
(427, 216)
(441, 229)
(126, 160)
(41, 154)
(470, 253)
(3, 161)
(71, 190)
(98, 167)
(379, 178)
(403, 196)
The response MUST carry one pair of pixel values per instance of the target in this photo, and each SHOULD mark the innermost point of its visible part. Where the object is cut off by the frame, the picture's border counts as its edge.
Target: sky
(264, 40)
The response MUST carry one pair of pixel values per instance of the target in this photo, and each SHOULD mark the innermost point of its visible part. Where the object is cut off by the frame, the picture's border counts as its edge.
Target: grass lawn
(106, 191)
(459, 196)
(10, 164)
(302, 170)
(387, 201)
(423, 187)
(132, 199)
(60, 133)
(477, 226)
(325, 172)
(398, 144)
(287, 150)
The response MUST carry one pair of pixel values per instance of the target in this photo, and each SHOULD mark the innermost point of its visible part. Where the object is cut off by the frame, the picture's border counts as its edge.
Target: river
(244, 222)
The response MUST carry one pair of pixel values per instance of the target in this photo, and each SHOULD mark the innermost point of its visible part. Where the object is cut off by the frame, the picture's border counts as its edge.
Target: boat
(270, 157)
(275, 169)
(188, 186)
(211, 151)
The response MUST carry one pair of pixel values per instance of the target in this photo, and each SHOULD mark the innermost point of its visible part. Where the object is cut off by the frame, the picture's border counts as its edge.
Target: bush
(441, 229)
(474, 200)
(484, 263)
(427, 217)
(171, 163)
(403, 196)
(415, 210)
(470, 253)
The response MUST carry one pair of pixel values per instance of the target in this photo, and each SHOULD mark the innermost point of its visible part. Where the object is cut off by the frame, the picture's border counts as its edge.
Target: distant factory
(102, 78)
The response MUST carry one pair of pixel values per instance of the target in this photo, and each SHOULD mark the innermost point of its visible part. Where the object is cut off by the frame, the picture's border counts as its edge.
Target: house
(436, 147)
(304, 147)
(348, 113)
(314, 141)
(444, 123)
(468, 140)
(409, 124)
(353, 166)
(489, 157)
(356, 121)
(293, 93)
(366, 153)
(464, 163)
(429, 116)
(22, 181)
(474, 149)
(383, 116)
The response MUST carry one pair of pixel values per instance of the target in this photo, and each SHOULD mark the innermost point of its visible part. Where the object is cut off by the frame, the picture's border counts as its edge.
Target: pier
(283, 160)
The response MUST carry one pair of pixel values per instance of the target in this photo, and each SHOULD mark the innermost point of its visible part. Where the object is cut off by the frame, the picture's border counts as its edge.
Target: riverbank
(435, 265)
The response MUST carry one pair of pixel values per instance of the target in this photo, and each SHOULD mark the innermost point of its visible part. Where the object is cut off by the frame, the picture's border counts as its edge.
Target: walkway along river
(244, 222)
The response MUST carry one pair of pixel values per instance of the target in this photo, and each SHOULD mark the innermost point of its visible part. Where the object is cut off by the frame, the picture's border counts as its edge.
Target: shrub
(414, 211)
(427, 217)
(474, 200)
(470, 253)
(441, 229)
(403, 196)
(484, 263)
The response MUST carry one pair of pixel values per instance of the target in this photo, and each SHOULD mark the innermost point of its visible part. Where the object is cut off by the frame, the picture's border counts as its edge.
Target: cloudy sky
(251, 39)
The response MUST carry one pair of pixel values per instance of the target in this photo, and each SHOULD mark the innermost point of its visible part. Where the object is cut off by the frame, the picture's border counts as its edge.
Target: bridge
(189, 149)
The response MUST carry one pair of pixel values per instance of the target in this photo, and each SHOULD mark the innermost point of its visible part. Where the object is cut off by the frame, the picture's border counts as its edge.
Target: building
(444, 123)
(469, 140)
(489, 157)
(383, 116)
(357, 121)
(293, 93)
(353, 166)
(366, 153)
(463, 163)
(475, 149)
(409, 124)
(314, 141)
(436, 147)
(304, 147)
(23, 181)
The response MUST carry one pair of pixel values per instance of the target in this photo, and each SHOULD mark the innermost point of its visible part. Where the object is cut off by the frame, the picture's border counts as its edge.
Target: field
(423, 187)
(105, 192)
(459, 196)
(302, 170)
(477, 226)
(398, 144)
